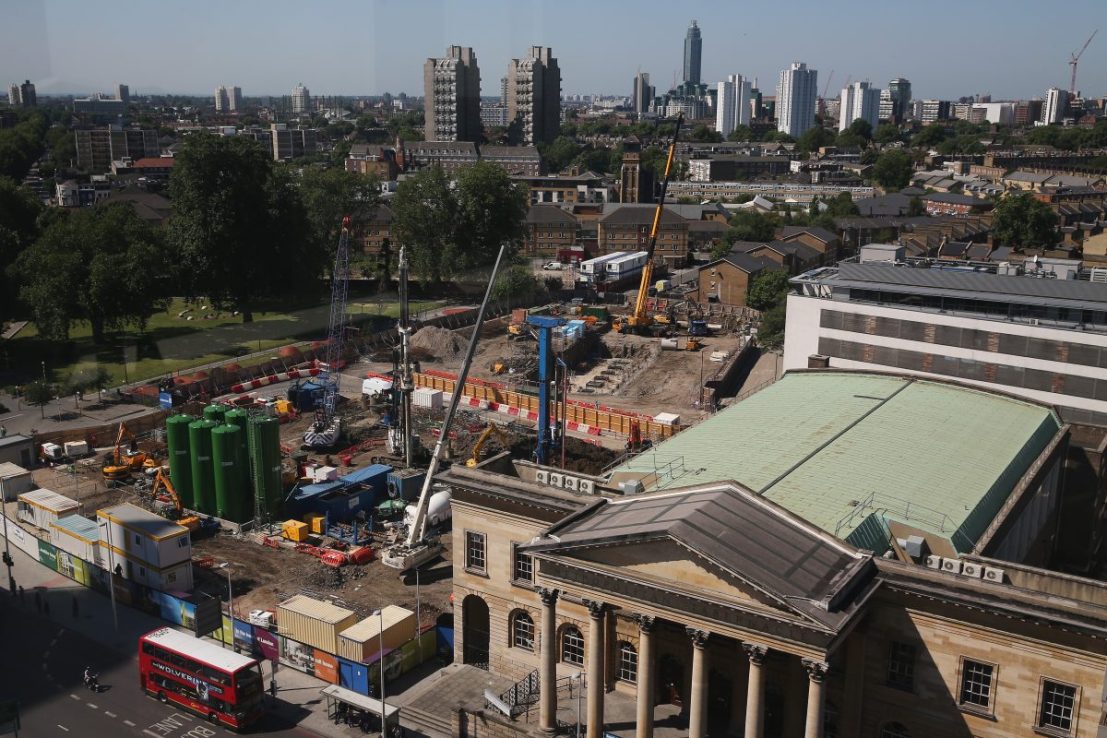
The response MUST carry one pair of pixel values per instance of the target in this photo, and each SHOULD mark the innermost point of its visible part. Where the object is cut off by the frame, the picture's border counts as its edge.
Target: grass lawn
(171, 343)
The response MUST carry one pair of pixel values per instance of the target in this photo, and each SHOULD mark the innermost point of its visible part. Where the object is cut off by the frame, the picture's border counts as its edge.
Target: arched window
(628, 663)
(572, 646)
(895, 730)
(522, 631)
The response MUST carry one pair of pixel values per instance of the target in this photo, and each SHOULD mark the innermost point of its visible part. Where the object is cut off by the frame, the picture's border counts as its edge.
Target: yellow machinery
(501, 434)
(124, 463)
(640, 321)
(161, 481)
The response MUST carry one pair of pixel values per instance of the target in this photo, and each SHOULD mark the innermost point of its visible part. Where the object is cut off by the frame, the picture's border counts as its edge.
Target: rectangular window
(901, 666)
(976, 685)
(522, 568)
(474, 551)
(1058, 707)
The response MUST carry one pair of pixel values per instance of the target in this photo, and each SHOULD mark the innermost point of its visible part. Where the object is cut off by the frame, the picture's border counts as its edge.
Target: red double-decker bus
(223, 686)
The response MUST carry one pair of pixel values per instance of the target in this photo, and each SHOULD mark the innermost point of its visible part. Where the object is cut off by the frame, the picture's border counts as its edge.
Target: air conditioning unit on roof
(934, 561)
(993, 574)
(951, 565)
(542, 476)
(972, 570)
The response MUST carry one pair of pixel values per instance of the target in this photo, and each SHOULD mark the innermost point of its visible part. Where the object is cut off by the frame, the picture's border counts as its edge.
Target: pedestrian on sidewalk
(75, 607)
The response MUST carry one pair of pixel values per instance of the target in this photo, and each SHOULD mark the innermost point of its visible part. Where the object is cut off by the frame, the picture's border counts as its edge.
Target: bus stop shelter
(346, 706)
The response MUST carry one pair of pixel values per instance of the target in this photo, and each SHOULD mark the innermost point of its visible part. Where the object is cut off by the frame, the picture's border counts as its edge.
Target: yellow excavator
(640, 321)
(500, 433)
(124, 463)
(176, 513)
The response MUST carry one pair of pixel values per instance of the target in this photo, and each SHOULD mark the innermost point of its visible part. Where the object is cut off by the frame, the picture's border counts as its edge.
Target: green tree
(1022, 222)
(932, 135)
(814, 139)
(886, 133)
(751, 225)
(771, 332)
(238, 225)
(841, 206)
(861, 128)
(740, 134)
(778, 136)
(705, 134)
(560, 153)
(515, 282)
(330, 194)
(491, 210)
(768, 289)
(424, 213)
(38, 393)
(893, 169)
(915, 207)
(94, 265)
(21, 145)
(19, 213)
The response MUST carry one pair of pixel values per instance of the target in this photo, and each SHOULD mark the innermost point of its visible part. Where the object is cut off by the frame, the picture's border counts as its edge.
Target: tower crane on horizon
(829, 79)
(1075, 58)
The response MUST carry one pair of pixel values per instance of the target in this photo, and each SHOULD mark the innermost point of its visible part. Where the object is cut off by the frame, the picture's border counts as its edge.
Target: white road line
(183, 716)
(75, 697)
(150, 733)
(128, 723)
(110, 714)
(63, 727)
(94, 707)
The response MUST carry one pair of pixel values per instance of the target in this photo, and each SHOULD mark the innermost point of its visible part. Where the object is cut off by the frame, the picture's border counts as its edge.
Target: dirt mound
(438, 343)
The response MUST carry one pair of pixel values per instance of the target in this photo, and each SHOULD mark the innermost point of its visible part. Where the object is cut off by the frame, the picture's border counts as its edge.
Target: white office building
(234, 95)
(1040, 335)
(222, 100)
(795, 99)
(732, 104)
(859, 101)
(301, 99)
(1056, 103)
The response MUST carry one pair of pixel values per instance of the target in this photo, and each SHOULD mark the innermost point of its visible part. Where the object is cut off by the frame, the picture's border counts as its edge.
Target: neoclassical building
(708, 607)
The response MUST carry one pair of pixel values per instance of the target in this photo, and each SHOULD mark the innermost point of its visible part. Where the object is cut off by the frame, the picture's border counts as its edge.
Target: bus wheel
(162, 698)
(212, 718)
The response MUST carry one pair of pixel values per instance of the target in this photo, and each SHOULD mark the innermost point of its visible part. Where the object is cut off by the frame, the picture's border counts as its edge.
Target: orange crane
(161, 481)
(123, 463)
(640, 321)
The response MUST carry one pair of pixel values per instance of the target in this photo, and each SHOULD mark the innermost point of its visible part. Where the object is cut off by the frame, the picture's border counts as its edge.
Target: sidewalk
(298, 701)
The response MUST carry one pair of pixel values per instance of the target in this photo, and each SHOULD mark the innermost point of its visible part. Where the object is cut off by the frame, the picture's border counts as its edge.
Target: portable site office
(41, 507)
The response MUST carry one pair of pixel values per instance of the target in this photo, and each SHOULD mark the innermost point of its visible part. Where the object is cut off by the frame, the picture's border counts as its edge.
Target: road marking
(110, 714)
(63, 727)
(128, 723)
(94, 707)
(54, 642)
(150, 733)
(75, 697)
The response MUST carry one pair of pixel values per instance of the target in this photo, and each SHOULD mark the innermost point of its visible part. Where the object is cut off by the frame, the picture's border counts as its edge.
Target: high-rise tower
(732, 104)
(795, 99)
(859, 101)
(693, 51)
(451, 89)
(534, 96)
(301, 99)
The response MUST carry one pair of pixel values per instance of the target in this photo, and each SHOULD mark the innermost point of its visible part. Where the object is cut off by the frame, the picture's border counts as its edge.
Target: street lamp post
(111, 574)
(230, 603)
(7, 546)
(384, 710)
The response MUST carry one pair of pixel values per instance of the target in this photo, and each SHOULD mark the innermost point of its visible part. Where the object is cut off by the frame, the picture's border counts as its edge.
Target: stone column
(547, 668)
(755, 691)
(645, 677)
(697, 710)
(816, 673)
(595, 668)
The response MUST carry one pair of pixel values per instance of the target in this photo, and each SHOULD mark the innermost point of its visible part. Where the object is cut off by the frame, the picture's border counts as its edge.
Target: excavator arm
(479, 445)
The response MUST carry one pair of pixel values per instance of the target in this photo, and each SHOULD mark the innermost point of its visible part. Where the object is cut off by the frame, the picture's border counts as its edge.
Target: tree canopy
(239, 230)
(893, 169)
(424, 212)
(768, 288)
(329, 194)
(95, 265)
(1022, 222)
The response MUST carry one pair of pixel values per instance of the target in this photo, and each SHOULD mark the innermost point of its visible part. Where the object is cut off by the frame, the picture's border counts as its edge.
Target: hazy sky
(947, 48)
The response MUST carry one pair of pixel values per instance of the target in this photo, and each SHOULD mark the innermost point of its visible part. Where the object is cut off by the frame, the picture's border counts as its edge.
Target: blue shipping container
(353, 676)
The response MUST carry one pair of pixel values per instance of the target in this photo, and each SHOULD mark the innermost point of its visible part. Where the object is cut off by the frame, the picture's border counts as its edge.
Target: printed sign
(267, 643)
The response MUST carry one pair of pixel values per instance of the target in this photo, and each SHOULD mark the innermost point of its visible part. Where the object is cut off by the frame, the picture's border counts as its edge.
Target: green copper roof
(848, 451)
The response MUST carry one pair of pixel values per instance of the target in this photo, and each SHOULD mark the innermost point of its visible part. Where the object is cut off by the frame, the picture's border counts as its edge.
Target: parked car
(553, 266)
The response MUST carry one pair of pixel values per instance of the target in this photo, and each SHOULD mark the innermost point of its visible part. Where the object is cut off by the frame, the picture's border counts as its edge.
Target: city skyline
(367, 48)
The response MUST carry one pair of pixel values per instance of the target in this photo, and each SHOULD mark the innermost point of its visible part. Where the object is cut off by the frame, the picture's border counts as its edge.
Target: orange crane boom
(639, 320)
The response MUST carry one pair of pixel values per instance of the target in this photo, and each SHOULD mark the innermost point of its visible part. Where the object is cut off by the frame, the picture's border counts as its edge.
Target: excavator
(640, 321)
(176, 512)
(121, 464)
(501, 434)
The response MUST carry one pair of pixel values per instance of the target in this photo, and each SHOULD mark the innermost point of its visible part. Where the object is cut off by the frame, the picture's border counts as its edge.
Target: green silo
(241, 418)
(264, 441)
(228, 468)
(180, 462)
(203, 479)
(215, 412)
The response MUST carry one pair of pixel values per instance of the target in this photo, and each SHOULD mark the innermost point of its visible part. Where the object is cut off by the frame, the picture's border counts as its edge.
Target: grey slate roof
(546, 213)
(750, 538)
(1069, 292)
(820, 233)
(747, 263)
(638, 215)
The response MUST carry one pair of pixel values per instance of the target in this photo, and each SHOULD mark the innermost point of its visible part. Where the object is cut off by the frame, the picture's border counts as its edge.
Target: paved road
(43, 668)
